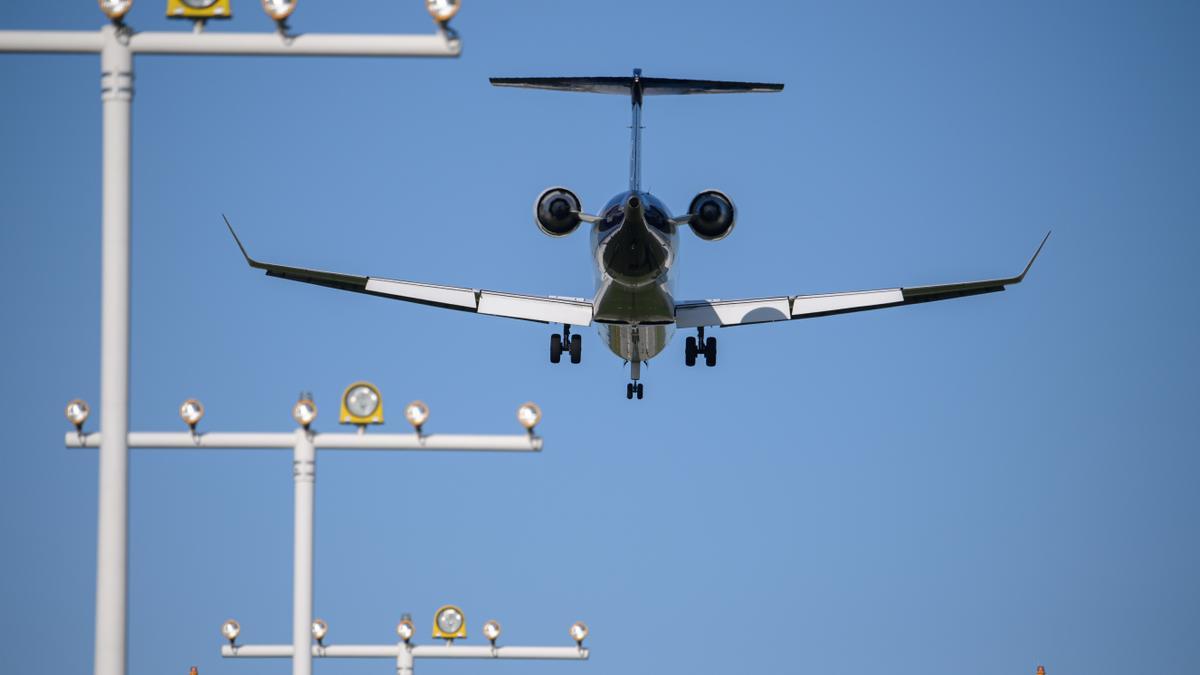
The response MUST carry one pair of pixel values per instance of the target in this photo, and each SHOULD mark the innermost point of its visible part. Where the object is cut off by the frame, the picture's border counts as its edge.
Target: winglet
(250, 261)
(1020, 277)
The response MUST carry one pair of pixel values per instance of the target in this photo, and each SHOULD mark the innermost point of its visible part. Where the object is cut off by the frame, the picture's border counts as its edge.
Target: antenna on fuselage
(637, 87)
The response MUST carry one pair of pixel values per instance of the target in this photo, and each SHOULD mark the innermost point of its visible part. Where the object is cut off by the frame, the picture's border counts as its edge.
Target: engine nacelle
(713, 215)
(556, 211)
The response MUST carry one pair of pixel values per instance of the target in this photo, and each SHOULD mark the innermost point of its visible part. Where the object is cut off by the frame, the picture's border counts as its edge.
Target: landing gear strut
(572, 343)
(699, 345)
(635, 387)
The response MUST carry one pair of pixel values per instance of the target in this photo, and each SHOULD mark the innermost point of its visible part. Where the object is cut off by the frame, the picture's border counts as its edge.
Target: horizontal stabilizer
(650, 86)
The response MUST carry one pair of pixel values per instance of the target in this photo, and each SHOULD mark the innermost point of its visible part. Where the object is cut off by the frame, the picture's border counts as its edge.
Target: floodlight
(199, 9)
(416, 413)
(405, 628)
(230, 629)
(449, 623)
(529, 414)
(305, 411)
(191, 412)
(77, 413)
(279, 9)
(491, 631)
(442, 10)
(115, 9)
(579, 631)
(362, 404)
(319, 629)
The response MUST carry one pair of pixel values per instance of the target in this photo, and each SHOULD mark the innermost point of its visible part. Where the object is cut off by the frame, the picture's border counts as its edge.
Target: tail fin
(636, 87)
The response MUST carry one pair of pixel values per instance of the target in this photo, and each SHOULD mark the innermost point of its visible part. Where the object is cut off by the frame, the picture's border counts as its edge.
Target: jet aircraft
(634, 243)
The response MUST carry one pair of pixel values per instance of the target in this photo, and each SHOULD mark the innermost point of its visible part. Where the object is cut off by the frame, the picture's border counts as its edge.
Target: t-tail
(636, 87)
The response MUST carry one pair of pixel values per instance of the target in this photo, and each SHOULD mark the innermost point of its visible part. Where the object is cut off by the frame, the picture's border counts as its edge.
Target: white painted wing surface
(544, 309)
(698, 313)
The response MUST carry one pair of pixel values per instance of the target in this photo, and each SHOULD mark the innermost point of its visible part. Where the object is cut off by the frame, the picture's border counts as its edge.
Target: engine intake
(556, 211)
(713, 215)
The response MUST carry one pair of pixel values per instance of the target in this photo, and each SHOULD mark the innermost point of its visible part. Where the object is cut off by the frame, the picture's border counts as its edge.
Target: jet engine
(713, 215)
(556, 211)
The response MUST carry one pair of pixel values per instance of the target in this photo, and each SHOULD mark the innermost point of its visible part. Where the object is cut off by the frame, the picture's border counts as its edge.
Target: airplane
(634, 243)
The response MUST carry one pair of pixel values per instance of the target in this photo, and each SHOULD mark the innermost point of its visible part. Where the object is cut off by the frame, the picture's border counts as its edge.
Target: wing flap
(533, 308)
(731, 312)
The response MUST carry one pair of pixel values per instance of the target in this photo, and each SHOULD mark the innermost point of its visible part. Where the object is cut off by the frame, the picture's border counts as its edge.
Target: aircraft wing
(785, 307)
(544, 309)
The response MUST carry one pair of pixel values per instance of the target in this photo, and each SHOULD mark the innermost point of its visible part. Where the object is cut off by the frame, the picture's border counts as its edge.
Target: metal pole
(304, 474)
(404, 660)
(112, 547)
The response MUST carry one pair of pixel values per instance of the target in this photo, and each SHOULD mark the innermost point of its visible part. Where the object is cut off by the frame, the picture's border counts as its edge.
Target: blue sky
(970, 486)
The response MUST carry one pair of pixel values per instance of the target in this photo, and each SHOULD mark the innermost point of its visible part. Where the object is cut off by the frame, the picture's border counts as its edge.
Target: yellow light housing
(77, 413)
(115, 9)
(442, 10)
(362, 404)
(199, 9)
(279, 9)
(449, 623)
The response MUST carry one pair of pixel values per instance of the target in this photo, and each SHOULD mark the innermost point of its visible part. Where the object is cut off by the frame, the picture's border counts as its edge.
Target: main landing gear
(573, 344)
(698, 345)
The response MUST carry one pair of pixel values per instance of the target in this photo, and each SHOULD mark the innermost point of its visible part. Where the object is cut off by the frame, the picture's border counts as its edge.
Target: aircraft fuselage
(634, 246)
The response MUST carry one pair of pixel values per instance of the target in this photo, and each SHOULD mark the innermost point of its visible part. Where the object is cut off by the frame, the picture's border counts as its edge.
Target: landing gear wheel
(638, 389)
(555, 348)
(710, 352)
(576, 348)
(629, 390)
(689, 352)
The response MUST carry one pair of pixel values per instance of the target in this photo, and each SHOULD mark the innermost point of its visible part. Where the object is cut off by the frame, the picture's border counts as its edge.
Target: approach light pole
(117, 44)
(304, 443)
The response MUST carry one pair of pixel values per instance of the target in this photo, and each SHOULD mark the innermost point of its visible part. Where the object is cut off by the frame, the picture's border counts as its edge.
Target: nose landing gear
(634, 388)
(572, 343)
(699, 345)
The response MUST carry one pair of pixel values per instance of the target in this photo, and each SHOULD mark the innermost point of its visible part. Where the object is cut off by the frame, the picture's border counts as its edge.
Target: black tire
(629, 390)
(710, 352)
(555, 348)
(576, 348)
(689, 352)
(639, 391)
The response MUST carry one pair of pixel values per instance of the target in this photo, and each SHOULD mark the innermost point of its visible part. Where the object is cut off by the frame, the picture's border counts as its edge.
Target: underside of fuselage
(634, 245)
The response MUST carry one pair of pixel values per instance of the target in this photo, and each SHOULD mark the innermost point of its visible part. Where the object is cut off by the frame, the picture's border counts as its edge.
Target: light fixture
(319, 629)
(191, 412)
(305, 411)
(115, 9)
(362, 404)
(279, 9)
(442, 10)
(449, 623)
(491, 631)
(230, 629)
(579, 631)
(199, 9)
(529, 414)
(77, 413)
(405, 628)
(416, 413)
